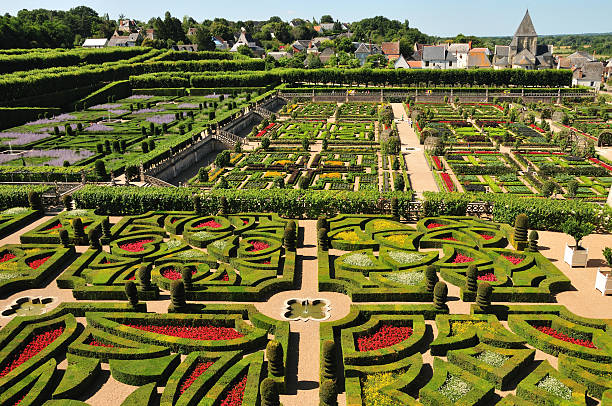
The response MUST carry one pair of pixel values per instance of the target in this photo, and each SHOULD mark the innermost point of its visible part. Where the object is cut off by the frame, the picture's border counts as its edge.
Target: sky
(433, 17)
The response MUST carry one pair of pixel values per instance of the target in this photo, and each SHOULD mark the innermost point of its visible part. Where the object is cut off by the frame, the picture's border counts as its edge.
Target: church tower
(525, 37)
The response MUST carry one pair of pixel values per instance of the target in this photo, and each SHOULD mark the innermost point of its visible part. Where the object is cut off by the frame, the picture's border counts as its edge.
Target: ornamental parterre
(36, 344)
(192, 332)
(386, 336)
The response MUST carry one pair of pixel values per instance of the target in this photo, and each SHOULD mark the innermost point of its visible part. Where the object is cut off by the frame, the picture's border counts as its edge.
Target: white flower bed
(407, 278)
(6, 276)
(15, 211)
(173, 244)
(492, 358)
(556, 387)
(190, 254)
(204, 234)
(455, 388)
(76, 213)
(404, 257)
(362, 260)
(219, 244)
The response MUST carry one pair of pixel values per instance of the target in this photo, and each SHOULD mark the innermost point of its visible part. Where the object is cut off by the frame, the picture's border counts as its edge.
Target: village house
(364, 50)
(132, 40)
(247, 40)
(391, 50)
(95, 43)
(438, 57)
(590, 74)
(460, 51)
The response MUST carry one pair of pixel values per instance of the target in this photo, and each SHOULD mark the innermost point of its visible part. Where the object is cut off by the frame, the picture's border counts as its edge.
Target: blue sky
(434, 17)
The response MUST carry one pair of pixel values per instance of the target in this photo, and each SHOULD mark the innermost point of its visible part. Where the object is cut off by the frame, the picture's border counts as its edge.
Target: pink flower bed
(173, 274)
(437, 162)
(38, 262)
(235, 395)
(136, 246)
(434, 225)
(192, 332)
(209, 223)
(258, 246)
(385, 336)
(563, 337)
(36, 344)
(461, 259)
(513, 260)
(450, 186)
(200, 368)
(7, 257)
(488, 277)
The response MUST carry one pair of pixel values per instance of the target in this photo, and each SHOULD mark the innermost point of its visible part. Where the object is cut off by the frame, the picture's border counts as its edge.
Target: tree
(100, 169)
(326, 19)
(203, 40)
(245, 50)
(577, 229)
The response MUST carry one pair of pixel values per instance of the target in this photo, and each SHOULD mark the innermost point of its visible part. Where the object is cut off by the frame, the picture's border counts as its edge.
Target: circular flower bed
(135, 246)
(209, 223)
(258, 246)
(461, 259)
(564, 337)
(34, 264)
(488, 277)
(7, 256)
(513, 260)
(173, 274)
(200, 368)
(37, 343)
(386, 336)
(235, 395)
(192, 332)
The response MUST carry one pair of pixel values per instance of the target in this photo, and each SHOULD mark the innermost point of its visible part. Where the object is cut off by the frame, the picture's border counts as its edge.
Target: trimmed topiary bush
(35, 200)
(223, 205)
(322, 239)
(471, 283)
(186, 275)
(77, 226)
(330, 363)
(144, 277)
(64, 238)
(328, 394)
(274, 354)
(106, 228)
(440, 296)
(431, 278)
(177, 297)
(94, 239)
(521, 224)
(131, 293)
(197, 204)
(483, 296)
(533, 241)
(67, 202)
(395, 208)
(269, 393)
(289, 238)
(322, 222)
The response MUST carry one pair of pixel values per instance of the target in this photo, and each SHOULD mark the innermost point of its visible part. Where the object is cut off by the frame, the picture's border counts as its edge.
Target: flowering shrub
(209, 223)
(556, 387)
(461, 327)
(513, 260)
(192, 332)
(454, 388)
(563, 337)
(76, 213)
(331, 175)
(407, 278)
(136, 246)
(36, 344)
(235, 395)
(460, 259)
(334, 163)
(173, 274)
(171, 244)
(56, 119)
(144, 111)
(56, 157)
(404, 257)
(399, 239)
(219, 244)
(494, 359)
(358, 259)
(101, 128)
(385, 336)
(381, 225)
(223, 277)
(488, 277)
(7, 256)
(34, 264)
(258, 246)
(200, 368)
(204, 234)
(105, 106)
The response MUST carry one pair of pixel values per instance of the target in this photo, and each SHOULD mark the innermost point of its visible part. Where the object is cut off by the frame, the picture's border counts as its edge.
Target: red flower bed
(192, 332)
(245, 222)
(132, 277)
(435, 225)
(223, 277)
(173, 274)
(235, 395)
(488, 277)
(7, 257)
(38, 262)
(486, 236)
(96, 343)
(36, 344)
(437, 162)
(602, 164)
(385, 336)
(209, 223)
(258, 246)
(563, 337)
(461, 259)
(55, 227)
(200, 368)
(449, 238)
(514, 260)
(535, 127)
(450, 186)
(136, 246)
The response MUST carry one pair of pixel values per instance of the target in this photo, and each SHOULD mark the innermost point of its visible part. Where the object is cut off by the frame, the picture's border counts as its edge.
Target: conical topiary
(177, 297)
(533, 241)
(131, 293)
(144, 277)
(483, 297)
(67, 201)
(274, 354)
(269, 393)
(431, 277)
(395, 208)
(77, 226)
(289, 237)
(322, 222)
(223, 206)
(322, 239)
(186, 275)
(328, 394)
(440, 296)
(35, 200)
(330, 363)
(64, 237)
(521, 224)
(106, 227)
(94, 239)
(197, 205)
(471, 276)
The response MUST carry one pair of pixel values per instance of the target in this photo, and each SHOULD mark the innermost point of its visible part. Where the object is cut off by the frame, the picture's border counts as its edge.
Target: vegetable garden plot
(358, 111)
(311, 110)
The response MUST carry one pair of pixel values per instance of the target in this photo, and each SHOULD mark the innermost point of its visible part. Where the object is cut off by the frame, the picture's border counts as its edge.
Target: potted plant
(576, 255)
(603, 280)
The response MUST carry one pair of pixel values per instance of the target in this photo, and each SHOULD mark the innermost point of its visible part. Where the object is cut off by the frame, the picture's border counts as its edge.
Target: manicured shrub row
(49, 231)
(14, 116)
(558, 390)
(34, 388)
(16, 218)
(17, 196)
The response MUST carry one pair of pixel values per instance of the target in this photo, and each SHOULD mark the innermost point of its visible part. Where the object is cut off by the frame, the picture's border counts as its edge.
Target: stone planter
(603, 282)
(576, 257)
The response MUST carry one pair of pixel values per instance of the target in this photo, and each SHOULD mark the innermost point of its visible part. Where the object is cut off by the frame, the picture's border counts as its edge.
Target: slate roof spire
(526, 29)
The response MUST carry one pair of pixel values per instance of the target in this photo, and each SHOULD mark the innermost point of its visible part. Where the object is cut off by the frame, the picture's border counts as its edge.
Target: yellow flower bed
(235, 157)
(272, 174)
(460, 327)
(372, 385)
(283, 162)
(399, 239)
(380, 225)
(348, 236)
(334, 163)
(212, 176)
(332, 175)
